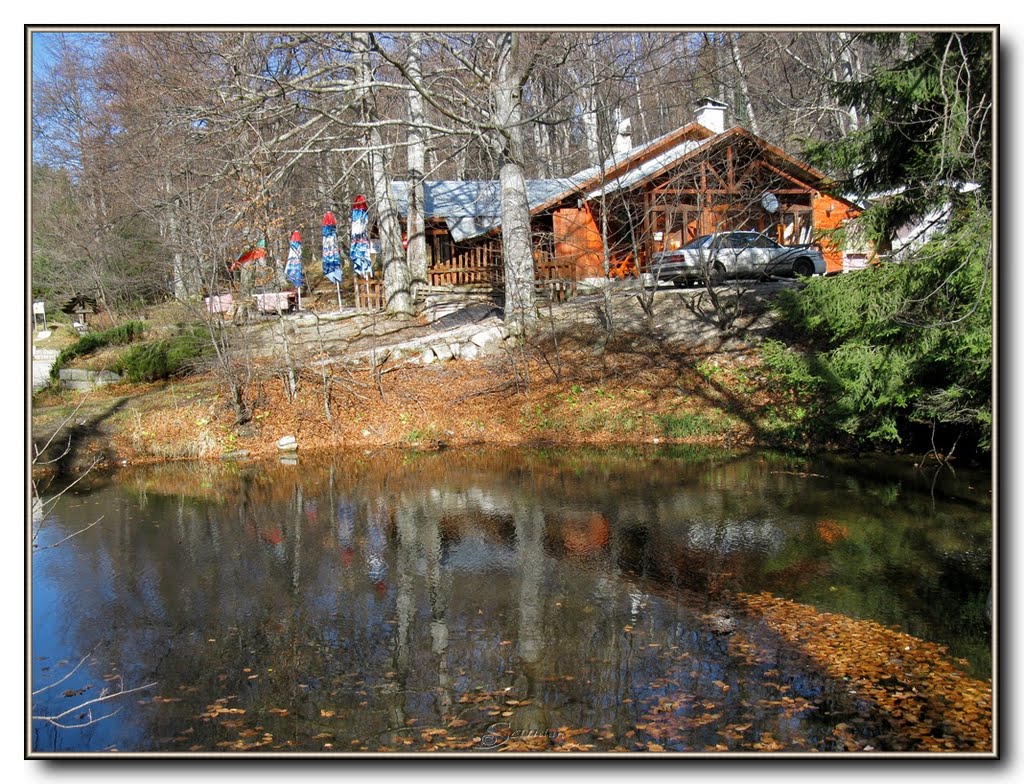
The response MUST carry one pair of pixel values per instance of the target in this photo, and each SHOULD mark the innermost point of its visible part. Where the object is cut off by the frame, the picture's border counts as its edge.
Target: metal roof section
(614, 161)
(471, 208)
(647, 168)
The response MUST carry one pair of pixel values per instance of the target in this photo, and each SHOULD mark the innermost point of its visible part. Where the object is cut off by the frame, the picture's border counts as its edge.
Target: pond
(482, 601)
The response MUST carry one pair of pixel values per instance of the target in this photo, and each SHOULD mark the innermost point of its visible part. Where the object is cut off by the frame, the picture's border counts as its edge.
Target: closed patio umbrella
(331, 257)
(359, 252)
(293, 269)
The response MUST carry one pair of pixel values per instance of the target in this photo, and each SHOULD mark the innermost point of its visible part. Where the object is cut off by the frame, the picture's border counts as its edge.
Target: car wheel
(803, 268)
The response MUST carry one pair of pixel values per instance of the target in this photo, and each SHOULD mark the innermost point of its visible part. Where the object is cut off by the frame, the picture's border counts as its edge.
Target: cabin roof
(472, 208)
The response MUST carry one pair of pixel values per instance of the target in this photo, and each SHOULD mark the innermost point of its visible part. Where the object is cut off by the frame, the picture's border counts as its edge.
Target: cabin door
(578, 243)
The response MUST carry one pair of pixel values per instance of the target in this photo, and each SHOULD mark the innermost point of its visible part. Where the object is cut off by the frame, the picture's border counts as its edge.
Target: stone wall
(84, 380)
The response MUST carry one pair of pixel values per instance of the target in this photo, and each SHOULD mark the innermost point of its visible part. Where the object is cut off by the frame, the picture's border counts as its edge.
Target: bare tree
(516, 241)
(416, 228)
(397, 283)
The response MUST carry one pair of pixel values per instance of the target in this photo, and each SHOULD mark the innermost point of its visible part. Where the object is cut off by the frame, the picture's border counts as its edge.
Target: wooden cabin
(657, 196)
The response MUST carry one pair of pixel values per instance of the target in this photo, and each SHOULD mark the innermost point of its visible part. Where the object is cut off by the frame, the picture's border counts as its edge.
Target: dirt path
(42, 361)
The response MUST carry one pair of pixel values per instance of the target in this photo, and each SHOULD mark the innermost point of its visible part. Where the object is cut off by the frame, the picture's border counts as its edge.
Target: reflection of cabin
(657, 196)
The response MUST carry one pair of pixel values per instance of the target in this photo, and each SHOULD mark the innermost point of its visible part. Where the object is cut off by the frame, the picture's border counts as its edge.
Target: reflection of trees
(556, 560)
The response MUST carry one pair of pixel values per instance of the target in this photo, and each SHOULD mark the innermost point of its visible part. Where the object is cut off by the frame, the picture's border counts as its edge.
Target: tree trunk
(397, 294)
(743, 83)
(849, 71)
(591, 127)
(520, 315)
(415, 223)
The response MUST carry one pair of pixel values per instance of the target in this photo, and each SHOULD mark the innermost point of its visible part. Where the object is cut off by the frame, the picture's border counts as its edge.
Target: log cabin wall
(831, 213)
(723, 191)
(578, 247)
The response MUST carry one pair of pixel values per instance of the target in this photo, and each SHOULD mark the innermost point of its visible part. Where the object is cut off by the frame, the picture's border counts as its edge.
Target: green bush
(899, 352)
(121, 335)
(164, 358)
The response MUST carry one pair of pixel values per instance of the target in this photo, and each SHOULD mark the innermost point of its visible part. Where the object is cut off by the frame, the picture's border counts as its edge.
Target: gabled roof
(669, 146)
(647, 169)
(473, 208)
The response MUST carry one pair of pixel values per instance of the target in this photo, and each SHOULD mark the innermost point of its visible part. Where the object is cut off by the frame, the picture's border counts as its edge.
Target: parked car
(736, 254)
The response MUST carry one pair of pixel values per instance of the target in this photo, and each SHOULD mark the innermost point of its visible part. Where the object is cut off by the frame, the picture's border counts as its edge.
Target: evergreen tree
(904, 349)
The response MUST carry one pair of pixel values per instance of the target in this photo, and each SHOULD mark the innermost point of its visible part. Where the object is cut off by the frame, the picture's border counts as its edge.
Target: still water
(482, 601)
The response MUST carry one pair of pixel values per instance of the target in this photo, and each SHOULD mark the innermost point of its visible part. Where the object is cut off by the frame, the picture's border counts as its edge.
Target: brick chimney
(711, 114)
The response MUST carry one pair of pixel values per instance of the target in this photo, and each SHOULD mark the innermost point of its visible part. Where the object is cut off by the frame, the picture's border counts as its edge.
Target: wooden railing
(554, 280)
(479, 265)
(369, 293)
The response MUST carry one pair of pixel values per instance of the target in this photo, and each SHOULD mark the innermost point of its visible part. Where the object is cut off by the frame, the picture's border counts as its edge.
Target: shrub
(896, 352)
(120, 335)
(164, 358)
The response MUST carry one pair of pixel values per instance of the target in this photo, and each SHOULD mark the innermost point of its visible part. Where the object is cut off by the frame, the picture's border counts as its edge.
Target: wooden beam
(720, 192)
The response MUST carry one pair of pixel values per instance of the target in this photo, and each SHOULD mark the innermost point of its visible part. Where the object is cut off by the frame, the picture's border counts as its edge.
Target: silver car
(736, 254)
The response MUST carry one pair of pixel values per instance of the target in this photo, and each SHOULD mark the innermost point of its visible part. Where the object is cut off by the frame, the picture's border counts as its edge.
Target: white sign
(38, 308)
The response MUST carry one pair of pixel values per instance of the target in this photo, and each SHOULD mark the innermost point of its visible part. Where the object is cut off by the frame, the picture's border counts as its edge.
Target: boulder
(427, 356)
(443, 352)
(287, 444)
(489, 335)
(469, 351)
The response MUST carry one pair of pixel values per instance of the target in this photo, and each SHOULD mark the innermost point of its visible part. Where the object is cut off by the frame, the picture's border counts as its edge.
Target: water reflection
(407, 602)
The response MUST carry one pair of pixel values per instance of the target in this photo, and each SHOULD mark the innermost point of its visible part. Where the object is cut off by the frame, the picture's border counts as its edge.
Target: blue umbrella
(360, 252)
(293, 269)
(331, 257)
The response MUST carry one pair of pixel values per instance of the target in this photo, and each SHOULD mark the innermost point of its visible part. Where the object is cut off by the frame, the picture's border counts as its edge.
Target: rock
(456, 349)
(443, 351)
(235, 454)
(287, 444)
(288, 460)
(427, 356)
(469, 351)
(489, 335)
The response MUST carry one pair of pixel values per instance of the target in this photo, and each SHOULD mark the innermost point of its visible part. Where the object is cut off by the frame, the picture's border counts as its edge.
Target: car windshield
(700, 242)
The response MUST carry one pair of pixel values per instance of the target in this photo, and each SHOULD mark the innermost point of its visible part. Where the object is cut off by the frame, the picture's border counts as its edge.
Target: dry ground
(669, 377)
